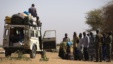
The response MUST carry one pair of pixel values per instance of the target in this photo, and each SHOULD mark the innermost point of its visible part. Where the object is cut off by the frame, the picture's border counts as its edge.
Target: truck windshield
(49, 34)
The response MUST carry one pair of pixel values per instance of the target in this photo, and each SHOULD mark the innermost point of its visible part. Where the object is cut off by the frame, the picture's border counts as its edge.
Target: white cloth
(85, 41)
(80, 43)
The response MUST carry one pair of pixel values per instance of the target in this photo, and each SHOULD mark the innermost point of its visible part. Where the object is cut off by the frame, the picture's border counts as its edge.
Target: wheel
(7, 53)
(33, 52)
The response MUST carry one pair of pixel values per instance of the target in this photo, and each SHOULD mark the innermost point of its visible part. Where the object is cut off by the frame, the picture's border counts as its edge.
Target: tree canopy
(94, 19)
(101, 19)
(108, 17)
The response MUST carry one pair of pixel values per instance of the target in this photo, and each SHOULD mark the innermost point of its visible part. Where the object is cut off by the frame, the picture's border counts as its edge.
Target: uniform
(108, 48)
(98, 47)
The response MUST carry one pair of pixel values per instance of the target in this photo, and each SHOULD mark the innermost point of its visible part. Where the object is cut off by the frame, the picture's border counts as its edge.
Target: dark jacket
(33, 11)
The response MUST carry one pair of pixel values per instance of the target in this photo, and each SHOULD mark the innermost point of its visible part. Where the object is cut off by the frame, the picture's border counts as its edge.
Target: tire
(7, 53)
(33, 52)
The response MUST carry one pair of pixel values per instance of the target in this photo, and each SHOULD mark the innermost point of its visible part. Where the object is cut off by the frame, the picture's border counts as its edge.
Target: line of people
(87, 47)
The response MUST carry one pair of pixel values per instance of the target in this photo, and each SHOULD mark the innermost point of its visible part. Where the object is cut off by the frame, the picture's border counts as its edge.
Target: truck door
(49, 39)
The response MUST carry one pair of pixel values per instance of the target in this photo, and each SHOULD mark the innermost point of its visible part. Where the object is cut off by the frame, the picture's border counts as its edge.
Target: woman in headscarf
(75, 41)
(62, 49)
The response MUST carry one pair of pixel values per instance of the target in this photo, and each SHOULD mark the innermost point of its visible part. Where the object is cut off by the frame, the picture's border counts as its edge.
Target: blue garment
(69, 43)
(27, 13)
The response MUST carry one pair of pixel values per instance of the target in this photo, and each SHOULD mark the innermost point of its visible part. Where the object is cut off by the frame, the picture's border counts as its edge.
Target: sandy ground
(53, 59)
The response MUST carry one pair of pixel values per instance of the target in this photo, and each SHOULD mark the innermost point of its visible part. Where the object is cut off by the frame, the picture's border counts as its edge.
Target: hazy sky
(64, 16)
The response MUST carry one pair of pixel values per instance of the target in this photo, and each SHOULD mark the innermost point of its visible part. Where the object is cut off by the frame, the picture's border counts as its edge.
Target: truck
(27, 38)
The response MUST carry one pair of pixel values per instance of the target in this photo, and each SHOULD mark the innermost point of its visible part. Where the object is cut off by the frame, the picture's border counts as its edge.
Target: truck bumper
(15, 49)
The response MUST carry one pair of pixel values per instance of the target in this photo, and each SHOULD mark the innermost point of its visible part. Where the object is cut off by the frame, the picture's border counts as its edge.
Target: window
(26, 32)
(17, 30)
(36, 33)
(49, 34)
(6, 32)
(32, 33)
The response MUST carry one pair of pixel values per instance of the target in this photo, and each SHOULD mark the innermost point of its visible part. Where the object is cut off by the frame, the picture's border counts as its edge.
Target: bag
(7, 20)
(70, 56)
(17, 19)
(27, 21)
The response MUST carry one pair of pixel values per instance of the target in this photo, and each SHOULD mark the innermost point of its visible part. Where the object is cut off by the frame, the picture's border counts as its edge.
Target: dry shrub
(18, 55)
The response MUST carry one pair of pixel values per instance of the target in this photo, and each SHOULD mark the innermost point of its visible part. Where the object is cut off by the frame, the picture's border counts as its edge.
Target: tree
(108, 17)
(94, 19)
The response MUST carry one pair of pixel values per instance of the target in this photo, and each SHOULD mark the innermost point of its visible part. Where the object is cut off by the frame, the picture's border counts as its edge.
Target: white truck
(26, 38)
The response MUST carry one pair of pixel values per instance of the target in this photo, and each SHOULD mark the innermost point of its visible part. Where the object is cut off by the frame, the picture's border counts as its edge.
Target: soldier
(112, 44)
(104, 46)
(108, 47)
(98, 48)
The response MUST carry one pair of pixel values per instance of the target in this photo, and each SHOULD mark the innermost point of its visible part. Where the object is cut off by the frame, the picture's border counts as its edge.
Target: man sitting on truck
(33, 12)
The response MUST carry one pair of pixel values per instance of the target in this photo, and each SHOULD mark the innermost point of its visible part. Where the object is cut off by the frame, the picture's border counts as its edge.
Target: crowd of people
(87, 47)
